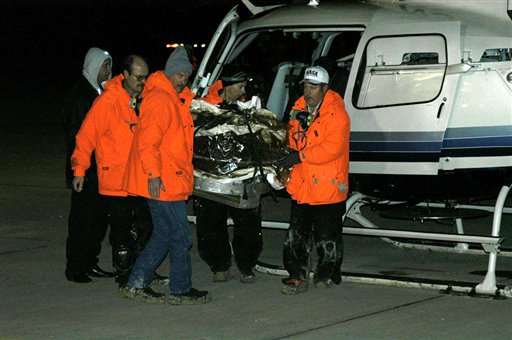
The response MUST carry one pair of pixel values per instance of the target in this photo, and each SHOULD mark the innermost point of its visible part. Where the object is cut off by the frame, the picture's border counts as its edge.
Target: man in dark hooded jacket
(87, 223)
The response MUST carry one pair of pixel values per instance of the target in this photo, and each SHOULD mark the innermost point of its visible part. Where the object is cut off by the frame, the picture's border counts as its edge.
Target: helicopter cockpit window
(400, 70)
(275, 60)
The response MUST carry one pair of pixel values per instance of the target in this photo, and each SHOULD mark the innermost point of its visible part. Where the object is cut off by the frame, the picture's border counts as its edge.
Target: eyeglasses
(140, 78)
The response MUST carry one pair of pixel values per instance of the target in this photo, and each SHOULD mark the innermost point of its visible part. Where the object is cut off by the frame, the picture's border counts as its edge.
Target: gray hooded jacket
(92, 64)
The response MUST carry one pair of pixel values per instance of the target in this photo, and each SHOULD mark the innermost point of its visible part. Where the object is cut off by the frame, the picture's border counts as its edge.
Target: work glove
(289, 160)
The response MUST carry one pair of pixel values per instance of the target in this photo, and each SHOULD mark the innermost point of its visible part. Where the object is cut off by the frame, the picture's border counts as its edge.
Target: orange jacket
(322, 177)
(164, 142)
(107, 130)
(213, 96)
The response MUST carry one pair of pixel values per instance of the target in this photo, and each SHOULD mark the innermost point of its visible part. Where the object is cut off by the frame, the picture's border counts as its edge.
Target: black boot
(100, 273)
(123, 260)
(122, 278)
(77, 277)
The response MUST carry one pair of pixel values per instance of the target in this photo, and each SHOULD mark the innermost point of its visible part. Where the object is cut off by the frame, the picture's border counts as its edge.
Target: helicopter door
(216, 53)
(399, 97)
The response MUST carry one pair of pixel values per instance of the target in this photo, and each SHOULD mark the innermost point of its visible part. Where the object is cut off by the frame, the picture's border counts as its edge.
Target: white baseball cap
(316, 75)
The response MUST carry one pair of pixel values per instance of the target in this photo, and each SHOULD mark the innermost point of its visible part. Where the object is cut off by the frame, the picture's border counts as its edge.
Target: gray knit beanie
(178, 62)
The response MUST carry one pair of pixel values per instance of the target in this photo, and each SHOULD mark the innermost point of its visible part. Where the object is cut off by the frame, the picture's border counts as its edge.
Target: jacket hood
(92, 64)
(116, 82)
(160, 80)
(330, 98)
(114, 90)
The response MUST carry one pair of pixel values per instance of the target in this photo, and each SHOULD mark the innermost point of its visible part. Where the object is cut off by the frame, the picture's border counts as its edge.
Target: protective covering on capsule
(233, 153)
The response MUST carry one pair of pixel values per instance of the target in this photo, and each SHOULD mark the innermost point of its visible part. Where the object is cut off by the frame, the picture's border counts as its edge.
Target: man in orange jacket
(108, 130)
(160, 169)
(318, 136)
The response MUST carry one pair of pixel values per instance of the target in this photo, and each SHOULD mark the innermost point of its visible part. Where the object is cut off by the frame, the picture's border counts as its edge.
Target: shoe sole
(323, 284)
(186, 301)
(248, 279)
(149, 300)
(294, 290)
(222, 278)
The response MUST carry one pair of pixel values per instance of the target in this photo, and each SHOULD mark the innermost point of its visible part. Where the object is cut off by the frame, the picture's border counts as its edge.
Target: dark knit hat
(178, 62)
(232, 74)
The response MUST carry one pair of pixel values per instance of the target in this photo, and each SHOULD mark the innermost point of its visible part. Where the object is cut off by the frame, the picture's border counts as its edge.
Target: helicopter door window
(496, 55)
(401, 70)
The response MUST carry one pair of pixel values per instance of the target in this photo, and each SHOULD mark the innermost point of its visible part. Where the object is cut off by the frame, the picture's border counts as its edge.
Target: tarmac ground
(36, 301)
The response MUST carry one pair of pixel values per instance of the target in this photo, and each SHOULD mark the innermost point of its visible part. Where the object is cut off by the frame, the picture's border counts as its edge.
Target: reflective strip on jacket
(108, 130)
(322, 176)
(164, 142)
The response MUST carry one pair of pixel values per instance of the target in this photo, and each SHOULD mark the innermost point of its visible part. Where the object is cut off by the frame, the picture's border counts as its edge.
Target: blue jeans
(171, 234)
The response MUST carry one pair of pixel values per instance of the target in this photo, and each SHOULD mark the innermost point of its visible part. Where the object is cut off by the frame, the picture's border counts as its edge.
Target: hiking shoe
(323, 283)
(160, 280)
(222, 276)
(193, 297)
(146, 295)
(247, 276)
(294, 286)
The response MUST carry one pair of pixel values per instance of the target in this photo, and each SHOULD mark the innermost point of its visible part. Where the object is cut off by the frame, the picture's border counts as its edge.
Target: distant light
(183, 44)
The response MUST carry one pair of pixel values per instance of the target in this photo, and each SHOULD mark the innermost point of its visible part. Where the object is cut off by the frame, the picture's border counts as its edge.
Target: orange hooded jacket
(107, 130)
(164, 142)
(322, 176)
(213, 96)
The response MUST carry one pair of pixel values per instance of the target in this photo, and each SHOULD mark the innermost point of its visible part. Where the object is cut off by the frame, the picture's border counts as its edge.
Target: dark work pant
(130, 228)
(213, 236)
(142, 224)
(87, 225)
(325, 224)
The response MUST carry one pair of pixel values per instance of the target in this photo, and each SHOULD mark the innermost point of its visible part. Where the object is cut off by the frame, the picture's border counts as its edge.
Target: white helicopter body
(428, 87)
(429, 90)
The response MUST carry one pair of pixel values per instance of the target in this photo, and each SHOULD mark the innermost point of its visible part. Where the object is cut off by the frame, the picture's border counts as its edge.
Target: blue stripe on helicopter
(482, 131)
(429, 146)
(478, 137)
(479, 142)
(395, 141)
(395, 136)
(386, 146)
(495, 136)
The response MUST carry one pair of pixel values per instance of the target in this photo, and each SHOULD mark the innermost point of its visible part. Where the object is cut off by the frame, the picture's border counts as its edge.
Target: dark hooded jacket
(79, 101)
(76, 104)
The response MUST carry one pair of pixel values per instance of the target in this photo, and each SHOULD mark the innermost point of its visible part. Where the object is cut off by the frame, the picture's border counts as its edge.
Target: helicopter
(427, 85)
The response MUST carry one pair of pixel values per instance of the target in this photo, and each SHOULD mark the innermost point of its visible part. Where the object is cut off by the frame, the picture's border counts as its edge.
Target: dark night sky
(50, 36)
(44, 42)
